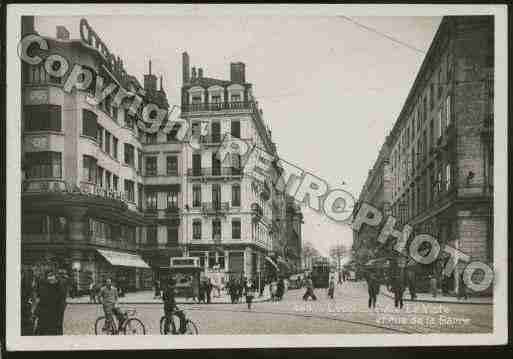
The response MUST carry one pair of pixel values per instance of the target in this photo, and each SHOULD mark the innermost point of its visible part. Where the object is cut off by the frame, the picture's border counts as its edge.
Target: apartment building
(441, 146)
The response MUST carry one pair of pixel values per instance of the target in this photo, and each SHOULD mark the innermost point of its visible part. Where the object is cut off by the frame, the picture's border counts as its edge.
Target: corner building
(227, 216)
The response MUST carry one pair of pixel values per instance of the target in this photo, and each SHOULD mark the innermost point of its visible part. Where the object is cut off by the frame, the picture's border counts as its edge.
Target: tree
(337, 252)
(309, 252)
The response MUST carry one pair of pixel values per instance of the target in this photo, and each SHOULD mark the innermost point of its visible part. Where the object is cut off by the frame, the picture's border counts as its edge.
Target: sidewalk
(146, 297)
(428, 298)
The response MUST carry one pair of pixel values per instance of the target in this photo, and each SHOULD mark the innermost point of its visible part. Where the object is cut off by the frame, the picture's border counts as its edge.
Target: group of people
(277, 289)
(237, 288)
(44, 302)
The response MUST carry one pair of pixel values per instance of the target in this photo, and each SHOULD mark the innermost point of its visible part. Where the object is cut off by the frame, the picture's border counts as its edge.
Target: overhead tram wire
(391, 38)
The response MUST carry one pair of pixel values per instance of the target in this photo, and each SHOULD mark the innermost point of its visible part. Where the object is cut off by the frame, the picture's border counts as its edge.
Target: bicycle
(129, 325)
(166, 322)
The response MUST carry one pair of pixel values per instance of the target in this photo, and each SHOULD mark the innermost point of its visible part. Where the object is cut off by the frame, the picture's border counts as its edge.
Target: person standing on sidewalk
(49, 306)
(462, 289)
(331, 288)
(372, 287)
(249, 290)
(208, 289)
(397, 287)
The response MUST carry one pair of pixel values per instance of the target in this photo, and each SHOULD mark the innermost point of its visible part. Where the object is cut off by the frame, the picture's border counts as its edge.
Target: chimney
(27, 25)
(62, 33)
(238, 72)
(200, 73)
(193, 77)
(150, 81)
(185, 68)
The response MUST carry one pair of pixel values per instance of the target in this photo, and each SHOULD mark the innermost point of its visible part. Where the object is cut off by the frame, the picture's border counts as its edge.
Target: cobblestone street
(346, 314)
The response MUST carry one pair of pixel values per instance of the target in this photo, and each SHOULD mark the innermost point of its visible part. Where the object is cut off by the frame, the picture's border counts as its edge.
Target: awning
(123, 259)
(272, 262)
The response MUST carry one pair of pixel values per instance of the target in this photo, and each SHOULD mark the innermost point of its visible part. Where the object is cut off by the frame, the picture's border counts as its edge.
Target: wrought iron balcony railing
(214, 172)
(214, 207)
(217, 106)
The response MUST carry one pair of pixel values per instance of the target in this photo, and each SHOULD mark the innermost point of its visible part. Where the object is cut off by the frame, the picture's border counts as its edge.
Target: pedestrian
(462, 289)
(433, 285)
(109, 299)
(195, 288)
(63, 287)
(208, 289)
(309, 290)
(249, 290)
(92, 294)
(157, 289)
(240, 289)
(280, 289)
(27, 300)
(170, 307)
(372, 288)
(331, 288)
(49, 306)
(411, 284)
(397, 287)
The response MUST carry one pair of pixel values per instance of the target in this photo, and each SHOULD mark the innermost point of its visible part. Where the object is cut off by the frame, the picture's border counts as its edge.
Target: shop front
(127, 270)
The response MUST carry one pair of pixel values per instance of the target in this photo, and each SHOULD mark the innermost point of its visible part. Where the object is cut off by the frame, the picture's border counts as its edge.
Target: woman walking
(250, 292)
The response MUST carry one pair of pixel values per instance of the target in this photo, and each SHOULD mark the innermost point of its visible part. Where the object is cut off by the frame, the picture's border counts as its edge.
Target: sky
(330, 90)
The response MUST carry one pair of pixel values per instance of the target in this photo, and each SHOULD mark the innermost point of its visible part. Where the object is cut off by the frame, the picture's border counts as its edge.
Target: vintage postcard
(207, 176)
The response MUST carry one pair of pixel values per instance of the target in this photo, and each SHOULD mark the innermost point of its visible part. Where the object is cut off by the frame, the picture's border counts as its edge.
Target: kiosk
(186, 271)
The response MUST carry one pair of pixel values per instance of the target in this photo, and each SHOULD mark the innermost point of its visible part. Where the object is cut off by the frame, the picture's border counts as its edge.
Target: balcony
(213, 173)
(214, 208)
(172, 211)
(218, 106)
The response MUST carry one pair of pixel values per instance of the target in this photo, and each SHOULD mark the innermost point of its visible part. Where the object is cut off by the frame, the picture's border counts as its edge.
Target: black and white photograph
(209, 176)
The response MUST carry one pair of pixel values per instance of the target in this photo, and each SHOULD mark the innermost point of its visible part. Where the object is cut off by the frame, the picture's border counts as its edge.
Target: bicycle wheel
(101, 328)
(134, 326)
(171, 326)
(190, 328)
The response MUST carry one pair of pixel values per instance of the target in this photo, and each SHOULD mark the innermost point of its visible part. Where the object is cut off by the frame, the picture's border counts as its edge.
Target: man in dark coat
(280, 288)
(208, 290)
(397, 287)
(372, 287)
(50, 306)
(62, 278)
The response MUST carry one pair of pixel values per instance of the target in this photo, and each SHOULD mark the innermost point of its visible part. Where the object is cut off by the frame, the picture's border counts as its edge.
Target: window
(216, 165)
(172, 165)
(196, 195)
(236, 163)
(440, 124)
(42, 118)
(151, 166)
(220, 259)
(34, 224)
(100, 137)
(151, 200)
(440, 86)
(447, 176)
(216, 195)
(448, 110)
(115, 114)
(172, 200)
(140, 196)
(216, 132)
(439, 182)
(236, 97)
(235, 129)
(100, 176)
(196, 99)
(89, 124)
(108, 176)
(431, 95)
(236, 229)
(129, 190)
(419, 118)
(196, 164)
(236, 195)
(89, 169)
(196, 229)
(172, 236)
(107, 142)
(432, 134)
(115, 183)
(44, 164)
(129, 154)
(425, 114)
(114, 147)
(129, 120)
(171, 135)
(151, 235)
(211, 259)
(216, 229)
(216, 98)
(151, 138)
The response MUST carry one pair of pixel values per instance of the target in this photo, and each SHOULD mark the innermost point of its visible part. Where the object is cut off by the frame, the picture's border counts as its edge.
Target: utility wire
(411, 47)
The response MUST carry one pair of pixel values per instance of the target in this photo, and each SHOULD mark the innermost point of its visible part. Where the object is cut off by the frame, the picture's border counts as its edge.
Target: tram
(321, 273)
